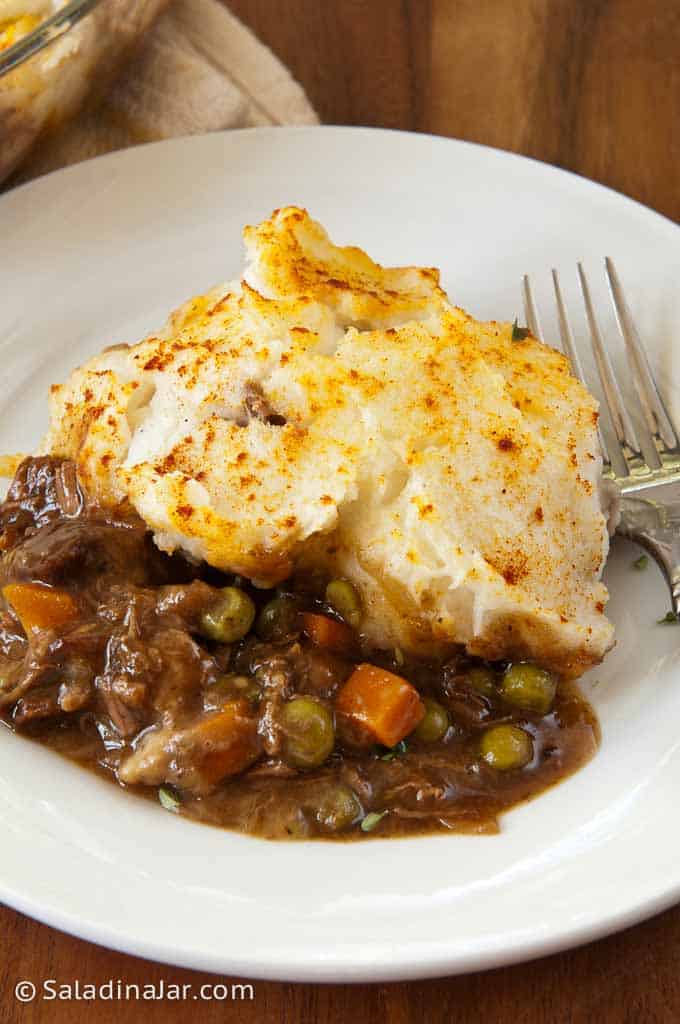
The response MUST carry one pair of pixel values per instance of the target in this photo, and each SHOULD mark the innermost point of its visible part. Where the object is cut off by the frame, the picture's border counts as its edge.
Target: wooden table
(591, 85)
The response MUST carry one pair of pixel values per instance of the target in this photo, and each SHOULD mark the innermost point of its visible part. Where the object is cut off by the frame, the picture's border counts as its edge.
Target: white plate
(98, 254)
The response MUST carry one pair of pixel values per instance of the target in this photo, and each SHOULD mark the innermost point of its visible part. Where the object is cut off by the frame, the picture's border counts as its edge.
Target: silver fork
(644, 464)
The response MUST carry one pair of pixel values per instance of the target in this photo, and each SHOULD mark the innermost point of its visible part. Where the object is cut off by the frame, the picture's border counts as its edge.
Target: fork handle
(656, 528)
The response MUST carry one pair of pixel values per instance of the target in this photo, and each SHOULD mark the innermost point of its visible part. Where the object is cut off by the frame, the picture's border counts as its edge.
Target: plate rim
(304, 129)
(343, 970)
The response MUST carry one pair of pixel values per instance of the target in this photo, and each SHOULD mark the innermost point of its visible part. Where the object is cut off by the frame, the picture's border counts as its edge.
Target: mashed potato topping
(19, 17)
(324, 411)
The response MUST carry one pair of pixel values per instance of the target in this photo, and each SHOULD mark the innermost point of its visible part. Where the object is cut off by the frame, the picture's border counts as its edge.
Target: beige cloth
(199, 70)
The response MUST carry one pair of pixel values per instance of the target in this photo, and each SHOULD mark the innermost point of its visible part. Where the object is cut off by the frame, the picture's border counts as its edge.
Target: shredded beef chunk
(42, 490)
(257, 406)
(265, 711)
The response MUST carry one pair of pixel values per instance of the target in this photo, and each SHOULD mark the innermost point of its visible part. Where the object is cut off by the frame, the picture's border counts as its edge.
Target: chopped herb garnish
(371, 820)
(398, 656)
(519, 333)
(670, 618)
(396, 751)
(641, 563)
(168, 798)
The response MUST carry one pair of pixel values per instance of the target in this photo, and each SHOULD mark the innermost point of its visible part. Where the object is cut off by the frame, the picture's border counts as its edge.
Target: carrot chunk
(38, 606)
(225, 742)
(386, 705)
(326, 632)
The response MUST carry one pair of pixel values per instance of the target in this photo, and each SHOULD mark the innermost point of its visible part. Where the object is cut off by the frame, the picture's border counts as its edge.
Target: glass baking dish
(63, 54)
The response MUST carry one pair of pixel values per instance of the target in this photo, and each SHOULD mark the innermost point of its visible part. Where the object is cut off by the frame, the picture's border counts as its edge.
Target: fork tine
(530, 310)
(621, 421)
(664, 436)
(569, 347)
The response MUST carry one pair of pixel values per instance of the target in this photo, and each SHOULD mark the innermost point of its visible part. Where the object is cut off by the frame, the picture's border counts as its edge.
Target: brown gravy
(131, 659)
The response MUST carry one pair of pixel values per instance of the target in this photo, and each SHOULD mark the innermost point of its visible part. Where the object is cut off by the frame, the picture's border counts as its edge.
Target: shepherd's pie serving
(419, 492)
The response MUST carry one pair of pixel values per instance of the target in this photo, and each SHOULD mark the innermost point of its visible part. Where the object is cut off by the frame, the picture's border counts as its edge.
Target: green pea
(338, 808)
(230, 687)
(278, 618)
(344, 599)
(529, 687)
(229, 618)
(434, 724)
(308, 732)
(483, 680)
(506, 747)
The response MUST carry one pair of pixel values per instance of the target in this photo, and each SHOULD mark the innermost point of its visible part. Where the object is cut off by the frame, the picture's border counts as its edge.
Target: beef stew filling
(262, 711)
